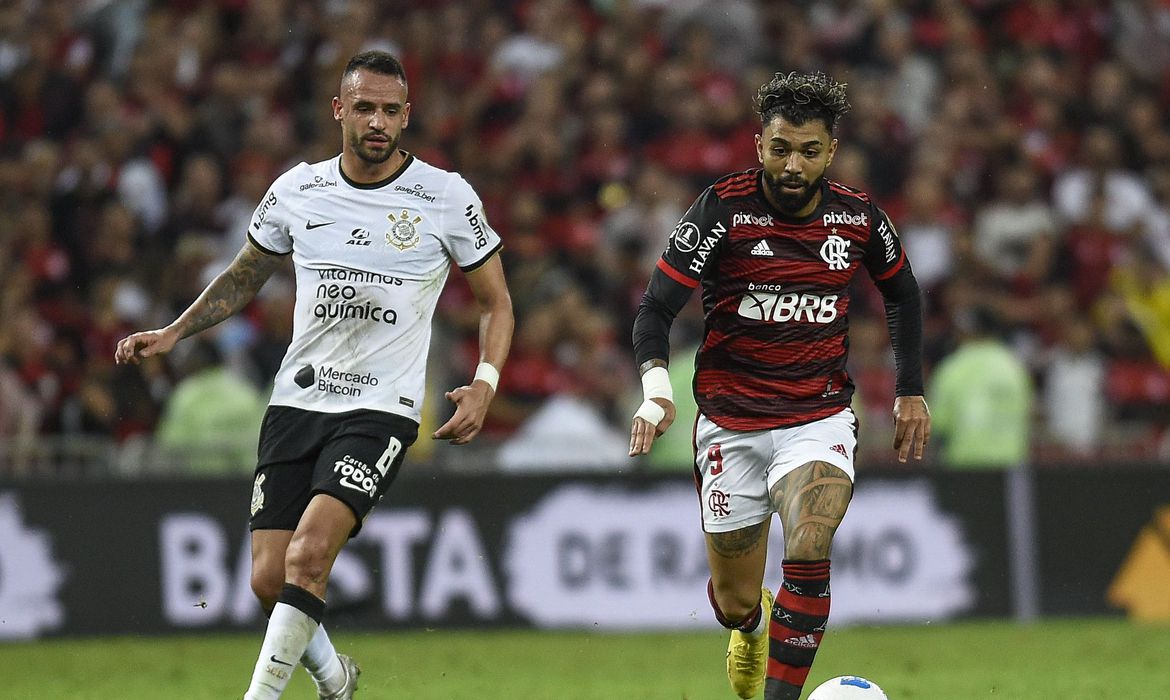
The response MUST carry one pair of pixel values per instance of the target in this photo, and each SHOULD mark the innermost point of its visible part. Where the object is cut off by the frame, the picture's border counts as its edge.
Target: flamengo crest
(835, 251)
(403, 233)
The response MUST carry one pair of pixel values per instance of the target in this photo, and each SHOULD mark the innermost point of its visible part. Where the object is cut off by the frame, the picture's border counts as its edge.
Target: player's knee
(809, 541)
(307, 560)
(266, 586)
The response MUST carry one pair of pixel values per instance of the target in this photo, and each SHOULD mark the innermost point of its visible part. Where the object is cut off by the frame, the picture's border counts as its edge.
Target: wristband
(650, 412)
(486, 372)
(656, 384)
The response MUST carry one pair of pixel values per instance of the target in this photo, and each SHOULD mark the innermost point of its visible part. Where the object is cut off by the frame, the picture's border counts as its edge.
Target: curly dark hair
(799, 97)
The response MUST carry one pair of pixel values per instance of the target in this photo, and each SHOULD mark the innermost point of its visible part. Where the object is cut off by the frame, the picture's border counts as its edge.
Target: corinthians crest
(403, 233)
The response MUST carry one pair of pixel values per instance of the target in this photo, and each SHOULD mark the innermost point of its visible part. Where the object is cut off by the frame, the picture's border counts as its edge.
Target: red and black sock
(747, 624)
(798, 623)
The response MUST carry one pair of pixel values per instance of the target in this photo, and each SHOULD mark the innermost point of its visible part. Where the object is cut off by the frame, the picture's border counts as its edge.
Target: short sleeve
(269, 229)
(466, 234)
(884, 255)
(695, 241)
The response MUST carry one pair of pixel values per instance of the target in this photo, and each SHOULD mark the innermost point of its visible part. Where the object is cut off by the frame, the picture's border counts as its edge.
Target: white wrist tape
(655, 385)
(487, 373)
(650, 412)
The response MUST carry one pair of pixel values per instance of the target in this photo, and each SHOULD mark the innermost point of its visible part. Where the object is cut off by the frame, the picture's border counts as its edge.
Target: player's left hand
(643, 432)
(471, 404)
(911, 426)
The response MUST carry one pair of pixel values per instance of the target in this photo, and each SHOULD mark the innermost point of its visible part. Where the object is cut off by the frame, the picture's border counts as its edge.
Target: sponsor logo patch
(305, 376)
(686, 237)
(844, 218)
(262, 212)
(886, 231)
(476, 219)
(708, 244)
(748, 219)
(317, 182)
(416, 191)
(790, 306)
(334, 381)
(357, 475)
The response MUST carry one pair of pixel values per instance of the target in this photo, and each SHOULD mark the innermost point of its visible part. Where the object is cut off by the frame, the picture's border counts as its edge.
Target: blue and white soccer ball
(848, 688)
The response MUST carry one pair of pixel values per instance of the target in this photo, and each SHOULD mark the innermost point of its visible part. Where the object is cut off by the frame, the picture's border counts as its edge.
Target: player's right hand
(134, 347)
(643, 432)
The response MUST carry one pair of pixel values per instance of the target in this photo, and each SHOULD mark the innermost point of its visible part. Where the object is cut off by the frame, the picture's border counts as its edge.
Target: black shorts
(352, 456)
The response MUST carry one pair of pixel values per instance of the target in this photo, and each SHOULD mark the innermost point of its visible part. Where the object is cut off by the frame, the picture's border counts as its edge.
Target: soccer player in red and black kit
(774, 250)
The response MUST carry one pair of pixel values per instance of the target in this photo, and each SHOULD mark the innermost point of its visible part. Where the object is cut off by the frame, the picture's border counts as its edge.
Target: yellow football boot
(747, 658)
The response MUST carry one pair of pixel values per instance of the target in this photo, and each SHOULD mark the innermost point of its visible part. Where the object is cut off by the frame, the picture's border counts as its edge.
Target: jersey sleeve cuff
(264, 249)
(478, 263)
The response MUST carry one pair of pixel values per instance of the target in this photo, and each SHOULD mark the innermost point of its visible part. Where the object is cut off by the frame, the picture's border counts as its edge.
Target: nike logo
(275, 660)
(309, 225)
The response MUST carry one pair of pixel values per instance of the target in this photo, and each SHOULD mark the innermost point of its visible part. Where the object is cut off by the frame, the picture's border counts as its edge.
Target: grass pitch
(1062, 660)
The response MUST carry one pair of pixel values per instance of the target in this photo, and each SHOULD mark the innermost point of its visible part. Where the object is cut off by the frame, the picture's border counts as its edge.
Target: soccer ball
(848, 688)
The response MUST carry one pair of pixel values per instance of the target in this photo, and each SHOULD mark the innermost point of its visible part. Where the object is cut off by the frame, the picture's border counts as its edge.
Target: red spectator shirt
(775, 293)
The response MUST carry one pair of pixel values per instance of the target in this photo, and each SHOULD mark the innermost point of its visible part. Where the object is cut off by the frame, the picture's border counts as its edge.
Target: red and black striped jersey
(775, 294)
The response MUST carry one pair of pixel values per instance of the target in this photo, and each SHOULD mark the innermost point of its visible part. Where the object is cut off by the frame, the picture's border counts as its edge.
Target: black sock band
(302, 600)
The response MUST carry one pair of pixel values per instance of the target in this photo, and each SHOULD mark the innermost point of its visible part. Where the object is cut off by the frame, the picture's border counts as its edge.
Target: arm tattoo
(811, 502)
(737, 543)
(650, 364)
(230, 291)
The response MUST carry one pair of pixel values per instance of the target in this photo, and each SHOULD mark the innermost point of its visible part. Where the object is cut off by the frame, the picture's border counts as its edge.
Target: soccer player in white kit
(372, 235)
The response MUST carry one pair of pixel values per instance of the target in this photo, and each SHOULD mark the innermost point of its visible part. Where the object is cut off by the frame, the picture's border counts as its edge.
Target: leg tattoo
(811, 501)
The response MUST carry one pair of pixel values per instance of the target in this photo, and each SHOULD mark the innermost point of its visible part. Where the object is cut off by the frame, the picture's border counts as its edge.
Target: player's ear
(337, 109)
(760, 148)
(405, 115)
(832, 152)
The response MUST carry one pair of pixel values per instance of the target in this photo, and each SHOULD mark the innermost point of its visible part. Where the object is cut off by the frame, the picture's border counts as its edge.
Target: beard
(373, 156)
(790, 202)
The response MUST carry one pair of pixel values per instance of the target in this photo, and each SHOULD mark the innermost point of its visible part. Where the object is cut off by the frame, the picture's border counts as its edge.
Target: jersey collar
(380, 183)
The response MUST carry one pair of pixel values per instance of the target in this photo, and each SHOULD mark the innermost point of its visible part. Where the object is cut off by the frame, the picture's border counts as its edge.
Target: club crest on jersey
(835, 251)
(403, 231)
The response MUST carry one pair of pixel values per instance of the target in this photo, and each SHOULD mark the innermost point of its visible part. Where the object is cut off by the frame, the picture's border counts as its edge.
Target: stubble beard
(368, 155)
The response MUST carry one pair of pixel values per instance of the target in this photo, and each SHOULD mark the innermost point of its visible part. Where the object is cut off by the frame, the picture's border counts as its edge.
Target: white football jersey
(371, 260)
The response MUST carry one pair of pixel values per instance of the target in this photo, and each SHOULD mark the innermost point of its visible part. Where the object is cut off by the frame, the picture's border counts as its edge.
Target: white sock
(761, 626)
(321, 661)
(289, 632)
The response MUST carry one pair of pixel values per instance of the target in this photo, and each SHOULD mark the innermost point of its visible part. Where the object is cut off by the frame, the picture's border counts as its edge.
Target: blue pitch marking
(859, 682)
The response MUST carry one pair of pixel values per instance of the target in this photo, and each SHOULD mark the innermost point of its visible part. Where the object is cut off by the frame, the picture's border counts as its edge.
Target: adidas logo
(806, 642)
(762, 249)
(840, 449)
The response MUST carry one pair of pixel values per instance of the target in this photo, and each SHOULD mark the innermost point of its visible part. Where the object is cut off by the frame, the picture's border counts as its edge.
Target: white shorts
(738, 469)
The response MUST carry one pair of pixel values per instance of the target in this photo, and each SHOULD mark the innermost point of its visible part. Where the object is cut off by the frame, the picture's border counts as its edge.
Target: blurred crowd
(1022, 148)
